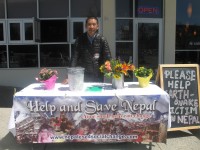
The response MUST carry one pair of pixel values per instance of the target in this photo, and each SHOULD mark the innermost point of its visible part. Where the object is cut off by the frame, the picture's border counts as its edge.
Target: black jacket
(91, 56)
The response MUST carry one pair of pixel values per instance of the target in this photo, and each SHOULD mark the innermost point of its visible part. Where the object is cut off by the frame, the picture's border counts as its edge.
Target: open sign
(148, 10)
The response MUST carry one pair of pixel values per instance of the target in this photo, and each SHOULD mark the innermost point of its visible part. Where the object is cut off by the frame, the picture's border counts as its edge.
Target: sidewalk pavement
(176, 140)
(6, 95)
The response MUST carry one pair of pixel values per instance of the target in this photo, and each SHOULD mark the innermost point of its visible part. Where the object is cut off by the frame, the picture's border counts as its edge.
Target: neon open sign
(146, 10)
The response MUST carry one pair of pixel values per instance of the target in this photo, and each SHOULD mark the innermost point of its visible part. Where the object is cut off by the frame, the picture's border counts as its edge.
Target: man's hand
(65, 81)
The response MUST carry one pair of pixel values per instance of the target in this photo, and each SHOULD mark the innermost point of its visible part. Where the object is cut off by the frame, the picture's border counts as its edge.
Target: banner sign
(53, 119)
(181, 82)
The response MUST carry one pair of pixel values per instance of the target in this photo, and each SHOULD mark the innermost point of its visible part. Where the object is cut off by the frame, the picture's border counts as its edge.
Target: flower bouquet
(116, 70)
(48, 77)
(144, 75)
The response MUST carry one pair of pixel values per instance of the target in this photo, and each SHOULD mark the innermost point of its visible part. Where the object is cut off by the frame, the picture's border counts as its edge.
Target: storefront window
(78, 29)
(2, 9)
(85, 8)
(148, 50)
(54, 55)
(15, 31)
(22, 9)
(54, 9)
(20, 31)
(149, 8)
(124, 29)
(124, 51)
(32, 29)
(28, 27)
(2, 32)
(187, 57)
(23, 56)
(124, 8)
(188, 25)
(3, 56)
(53, 30)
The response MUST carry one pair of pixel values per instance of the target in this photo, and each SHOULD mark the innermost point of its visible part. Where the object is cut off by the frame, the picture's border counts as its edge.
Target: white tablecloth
(103, 89)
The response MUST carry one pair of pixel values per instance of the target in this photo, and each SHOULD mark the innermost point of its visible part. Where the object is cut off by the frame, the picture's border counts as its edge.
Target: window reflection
(148, 33)
(187, 57)
(78, 29)
(23, 56)
(187, 12)
(124, 51)
(3, 56)
(58, 8)
(54, 55)
(15, 32)
(28, 31)
(53, 30)
(21, 8)
(124, 8)
(2, 9)
(187, 37)
(187, 25)
(1, 32)
(187, 32)
(124, 29)
(80, 8)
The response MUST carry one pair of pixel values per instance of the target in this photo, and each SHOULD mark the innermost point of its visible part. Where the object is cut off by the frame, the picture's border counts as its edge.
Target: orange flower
(131, 67)
(107, 65)
(125, 67)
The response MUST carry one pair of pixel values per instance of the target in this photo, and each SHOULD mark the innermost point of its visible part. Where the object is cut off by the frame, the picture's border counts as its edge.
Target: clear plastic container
(75, 78)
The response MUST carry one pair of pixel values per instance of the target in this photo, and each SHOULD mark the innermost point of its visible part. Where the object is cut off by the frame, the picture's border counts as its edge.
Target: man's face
(91, 27)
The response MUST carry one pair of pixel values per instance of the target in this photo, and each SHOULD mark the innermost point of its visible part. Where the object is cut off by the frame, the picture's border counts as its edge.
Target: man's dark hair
(92, 17)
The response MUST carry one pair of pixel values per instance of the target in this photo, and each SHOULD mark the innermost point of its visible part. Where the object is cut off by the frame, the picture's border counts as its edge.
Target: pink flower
(45, 74)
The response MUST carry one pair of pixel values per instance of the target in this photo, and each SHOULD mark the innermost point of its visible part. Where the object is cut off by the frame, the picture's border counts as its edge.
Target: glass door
(148, 43)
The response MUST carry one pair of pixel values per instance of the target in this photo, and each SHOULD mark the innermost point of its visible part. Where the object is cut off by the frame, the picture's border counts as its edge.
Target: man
(91, 51)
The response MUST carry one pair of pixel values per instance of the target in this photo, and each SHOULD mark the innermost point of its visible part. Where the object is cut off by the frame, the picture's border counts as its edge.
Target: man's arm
(105, 49)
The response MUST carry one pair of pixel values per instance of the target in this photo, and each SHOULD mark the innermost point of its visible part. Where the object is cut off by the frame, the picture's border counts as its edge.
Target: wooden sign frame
(160, 82)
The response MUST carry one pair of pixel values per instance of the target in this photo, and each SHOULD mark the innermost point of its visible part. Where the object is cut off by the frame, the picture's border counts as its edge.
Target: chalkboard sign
(181, 82)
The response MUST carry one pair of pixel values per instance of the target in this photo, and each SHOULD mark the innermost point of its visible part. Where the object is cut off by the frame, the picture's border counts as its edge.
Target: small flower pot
(144, 81)
(50, 83)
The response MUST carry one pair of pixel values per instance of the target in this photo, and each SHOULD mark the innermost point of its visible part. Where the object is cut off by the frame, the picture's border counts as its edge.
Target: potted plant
(144, 75)
(116, 70)
(48, 77)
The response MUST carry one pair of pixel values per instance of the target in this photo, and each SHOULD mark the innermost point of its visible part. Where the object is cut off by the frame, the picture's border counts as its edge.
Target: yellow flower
(101, 68)
(143, 72)
(118, 68)
(116, 76)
